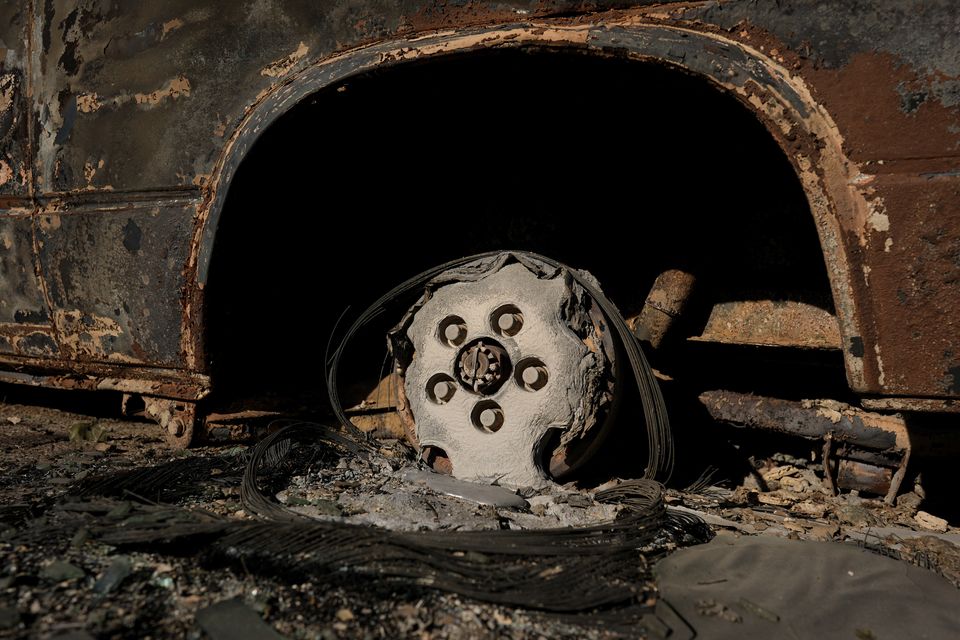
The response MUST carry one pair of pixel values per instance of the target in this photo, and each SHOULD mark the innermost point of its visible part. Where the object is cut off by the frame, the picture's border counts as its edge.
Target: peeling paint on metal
(880, 376)
(174, 88)
(6, 173)
(878, 220)
(170, 26)
(85, 335)
(284, 65)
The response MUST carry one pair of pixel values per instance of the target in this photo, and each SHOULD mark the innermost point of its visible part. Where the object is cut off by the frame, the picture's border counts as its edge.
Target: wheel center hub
(482, 366)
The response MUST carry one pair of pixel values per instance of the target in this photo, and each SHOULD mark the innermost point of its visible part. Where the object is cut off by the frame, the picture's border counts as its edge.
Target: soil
(62, 582)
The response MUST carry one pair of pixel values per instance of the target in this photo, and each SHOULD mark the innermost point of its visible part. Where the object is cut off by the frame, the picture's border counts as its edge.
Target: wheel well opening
(620, 167)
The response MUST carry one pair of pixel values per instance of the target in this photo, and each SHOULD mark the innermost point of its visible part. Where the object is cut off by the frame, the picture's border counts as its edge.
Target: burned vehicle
(769, 192)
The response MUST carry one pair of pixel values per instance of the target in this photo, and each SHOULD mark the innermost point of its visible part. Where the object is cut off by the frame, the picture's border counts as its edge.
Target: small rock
(344, 615)
(88, 431)
(13, 419)
(931, 522)
(234, 620)
(116, 573)
(502, 619)
(164, 582)
(58, 571)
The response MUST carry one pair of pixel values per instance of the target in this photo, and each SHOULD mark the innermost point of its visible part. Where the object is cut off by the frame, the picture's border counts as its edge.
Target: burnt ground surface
(58, 578)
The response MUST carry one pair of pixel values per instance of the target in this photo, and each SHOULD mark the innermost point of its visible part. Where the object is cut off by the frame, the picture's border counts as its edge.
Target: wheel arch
(781, 101)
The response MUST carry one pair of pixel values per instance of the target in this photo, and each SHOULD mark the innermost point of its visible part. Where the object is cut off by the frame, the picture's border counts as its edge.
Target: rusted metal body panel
(107, 307)
(15, 175)
(121, 126)
(889, 75)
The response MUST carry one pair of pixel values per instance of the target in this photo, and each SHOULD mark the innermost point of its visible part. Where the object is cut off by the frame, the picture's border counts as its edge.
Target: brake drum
(508, 370)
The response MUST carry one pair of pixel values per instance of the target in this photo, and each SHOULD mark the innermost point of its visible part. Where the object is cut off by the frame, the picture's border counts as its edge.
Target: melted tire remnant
(659, 438)
(535, 373)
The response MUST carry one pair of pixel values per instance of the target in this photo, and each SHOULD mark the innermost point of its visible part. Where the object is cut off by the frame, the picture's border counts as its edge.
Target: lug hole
(452, 331)
(507, 320)
(487, 416)
(531, 374)
(441, 388)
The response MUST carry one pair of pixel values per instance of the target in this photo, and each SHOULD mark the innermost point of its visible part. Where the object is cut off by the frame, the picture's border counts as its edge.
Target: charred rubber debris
(310, 515)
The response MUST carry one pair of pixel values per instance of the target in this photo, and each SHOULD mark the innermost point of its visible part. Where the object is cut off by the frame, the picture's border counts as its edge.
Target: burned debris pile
(603, 569)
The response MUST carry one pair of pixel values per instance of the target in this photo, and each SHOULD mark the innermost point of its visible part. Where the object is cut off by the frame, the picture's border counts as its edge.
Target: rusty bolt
(533, 375)
(444, 390)
(453, 333)
(509, 323)
(490, 417)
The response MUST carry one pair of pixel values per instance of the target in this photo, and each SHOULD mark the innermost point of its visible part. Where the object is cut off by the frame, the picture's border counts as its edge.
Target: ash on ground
(58, 579)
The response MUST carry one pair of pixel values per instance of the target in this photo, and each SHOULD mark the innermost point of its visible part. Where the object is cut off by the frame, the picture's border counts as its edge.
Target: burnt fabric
(764, 587)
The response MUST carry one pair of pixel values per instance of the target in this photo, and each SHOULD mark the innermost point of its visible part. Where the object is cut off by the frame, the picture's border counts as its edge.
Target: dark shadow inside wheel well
(619, 167)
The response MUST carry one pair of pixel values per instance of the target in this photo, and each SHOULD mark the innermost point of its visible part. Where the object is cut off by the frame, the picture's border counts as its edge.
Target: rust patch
(444, 15)
(866, 99)
(84, 335)
(772, 323)
(49, 222)
(914, 284)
